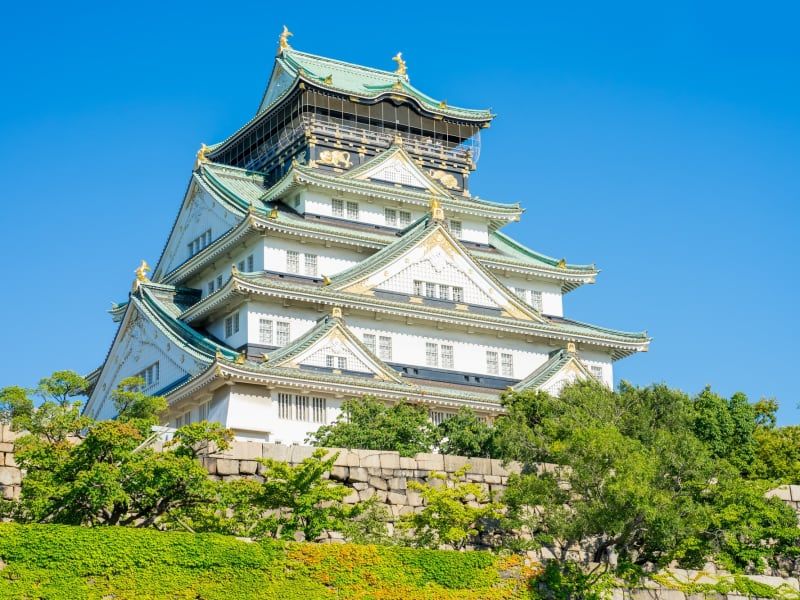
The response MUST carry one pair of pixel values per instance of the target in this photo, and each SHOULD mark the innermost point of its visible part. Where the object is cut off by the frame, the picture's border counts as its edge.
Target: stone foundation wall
(10, 475)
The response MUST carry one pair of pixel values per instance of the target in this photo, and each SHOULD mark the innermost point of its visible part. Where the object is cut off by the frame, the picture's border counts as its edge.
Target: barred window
(439, 416)
(536, 300)
(301, 408)
(596, 371)
(352, 211)
(431, 354)
(444, 292)
(292, 261)
(430, 290)
(150, 375)
(369, 342)
(284, 406)
(447, 356)
(337, 207)
(458, 294)
(281, 333)
(455, 228)
(385, 348)
(391, 217)
(211, 287)
(250, 262)
(311, 264)
(521, 293)
(240, 266)
(202, 411)
(199, 243)
(265, 331)
(319, 410)
(219, 281)
(417, 288)
(507, 365)
(404, 218)
(341, 362)
(492, 366)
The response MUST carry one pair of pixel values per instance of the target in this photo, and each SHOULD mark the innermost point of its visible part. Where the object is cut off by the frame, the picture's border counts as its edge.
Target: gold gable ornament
(240, 358)
(234, 270)
(202, 155)
(562, 264)
(283, 40)
(402, 70)
(141, 275)
(571, 347)
(336, 312)
(437, 212)
(273, 214)
(326, 280)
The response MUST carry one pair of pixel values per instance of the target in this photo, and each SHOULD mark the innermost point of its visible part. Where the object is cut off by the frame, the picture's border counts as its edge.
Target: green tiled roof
(557, 361)
(364, 82)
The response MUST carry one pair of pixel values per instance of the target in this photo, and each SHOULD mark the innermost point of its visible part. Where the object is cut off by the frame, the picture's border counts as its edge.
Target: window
(455, 228)
(447, 356)
(492, 366)
(438, 417)
(319, 410)
(219, 281)
(179, 422)
(202, 411)
(282, 333)
(444, 292)
(404, 218)
(596, 371)
(507, 365)
(292, 261)
(301, 408)
(521, 293)
(211, 287)
(431, 354)
(430, 290)
(284, 406)
(536, 300)
(187, 417)
(458, 294)
(369, 342)
(250, 264)
(265, 331)
(240, 266)
(150, 374)
(311, 264)
(199, 243)
(352, 211)
(232, 324)
(391, 217)
(418, 288)
(385, 348)
(337, 207)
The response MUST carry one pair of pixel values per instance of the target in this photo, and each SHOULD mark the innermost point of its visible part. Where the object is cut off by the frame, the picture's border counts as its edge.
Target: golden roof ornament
(240, 358)
(141, 275)
(402, 70)
(234, 270)
(571, 347)
(336, 312)
(273, 214)
(328, 80)
(265, 357)
(437, 212)
(326, 280)
(283, 40)
(562, 264)
(202, 155)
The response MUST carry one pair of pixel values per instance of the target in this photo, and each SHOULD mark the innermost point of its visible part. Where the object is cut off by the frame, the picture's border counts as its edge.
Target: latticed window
(211, 287)
(447, 356)
(199, 243)
(385, 348)
(219, 281)
(265, 331)
(431, 354)
(404, 218)
(444, 292)
(369, 342)
(352, 211)
(337, 207)
(250, 262)
(596, 371)
(282, 333)
(536, 300)
(150, 375)
(292, 261)
(492, 366)
(439, 416)
(458, 294)
(232, 324)
(430, 290)
(417, 288)
(455, 228)
(336, 362)
(202, 411)
(521, 293)
(391, 217)
(319, 410)
(507, 365)
(284, 406)
(311, 264)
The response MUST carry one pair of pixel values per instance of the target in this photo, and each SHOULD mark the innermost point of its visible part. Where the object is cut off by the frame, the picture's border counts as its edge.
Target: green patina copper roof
(363, 82)
(557, 361)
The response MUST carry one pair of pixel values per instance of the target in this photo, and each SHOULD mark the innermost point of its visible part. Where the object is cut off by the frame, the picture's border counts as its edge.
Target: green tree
(299, 498)
(370, 424)
(454, 513)
(465, 434)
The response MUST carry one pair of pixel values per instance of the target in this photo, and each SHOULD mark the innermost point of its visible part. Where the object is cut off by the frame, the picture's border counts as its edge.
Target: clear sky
(662, 144)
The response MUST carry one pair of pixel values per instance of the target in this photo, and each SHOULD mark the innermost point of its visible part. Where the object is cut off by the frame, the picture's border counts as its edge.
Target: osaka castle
(331, 249)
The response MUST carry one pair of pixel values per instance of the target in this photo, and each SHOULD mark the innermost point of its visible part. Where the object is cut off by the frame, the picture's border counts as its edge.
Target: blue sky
(661, 143)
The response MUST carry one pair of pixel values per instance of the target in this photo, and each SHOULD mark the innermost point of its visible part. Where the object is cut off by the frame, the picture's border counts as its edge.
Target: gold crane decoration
(141, 275)
(401, 70)
(283, 40)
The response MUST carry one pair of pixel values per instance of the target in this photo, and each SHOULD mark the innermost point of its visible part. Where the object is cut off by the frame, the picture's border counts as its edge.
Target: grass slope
(58, 562)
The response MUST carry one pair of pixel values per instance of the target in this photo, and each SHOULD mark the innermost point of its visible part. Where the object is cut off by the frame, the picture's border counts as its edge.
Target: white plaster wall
(300, 321)
(329, 260)
(201, 213)
(602, 360)
(222, 266)
(238, 339)
(552, 298)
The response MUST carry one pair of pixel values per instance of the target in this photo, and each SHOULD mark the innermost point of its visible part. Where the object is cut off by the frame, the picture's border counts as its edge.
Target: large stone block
(482, 466)
(227, 466)
(406, 462)
(359, 474)
(413, 498)
(10, 460)
(370, 458)
(347, 458)
(390, 460)
(396, 498)
(430, 462)
(298, 454)
(210, 464)
(397, 483)
(340, 473)
(248, 467)
(275, 452)
(783, 492)
(10, 476)
(378, 483)
(6, 435)
(794, 491)
(454, 463)
(6, 447)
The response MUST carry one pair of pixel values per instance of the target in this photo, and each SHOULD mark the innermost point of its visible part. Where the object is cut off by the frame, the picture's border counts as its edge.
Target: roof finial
(571, 347)
(283, 40)
(336, 312)
(437, 212)
(202, 155)
(141, 275)
(401, 70)
(562, 264)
